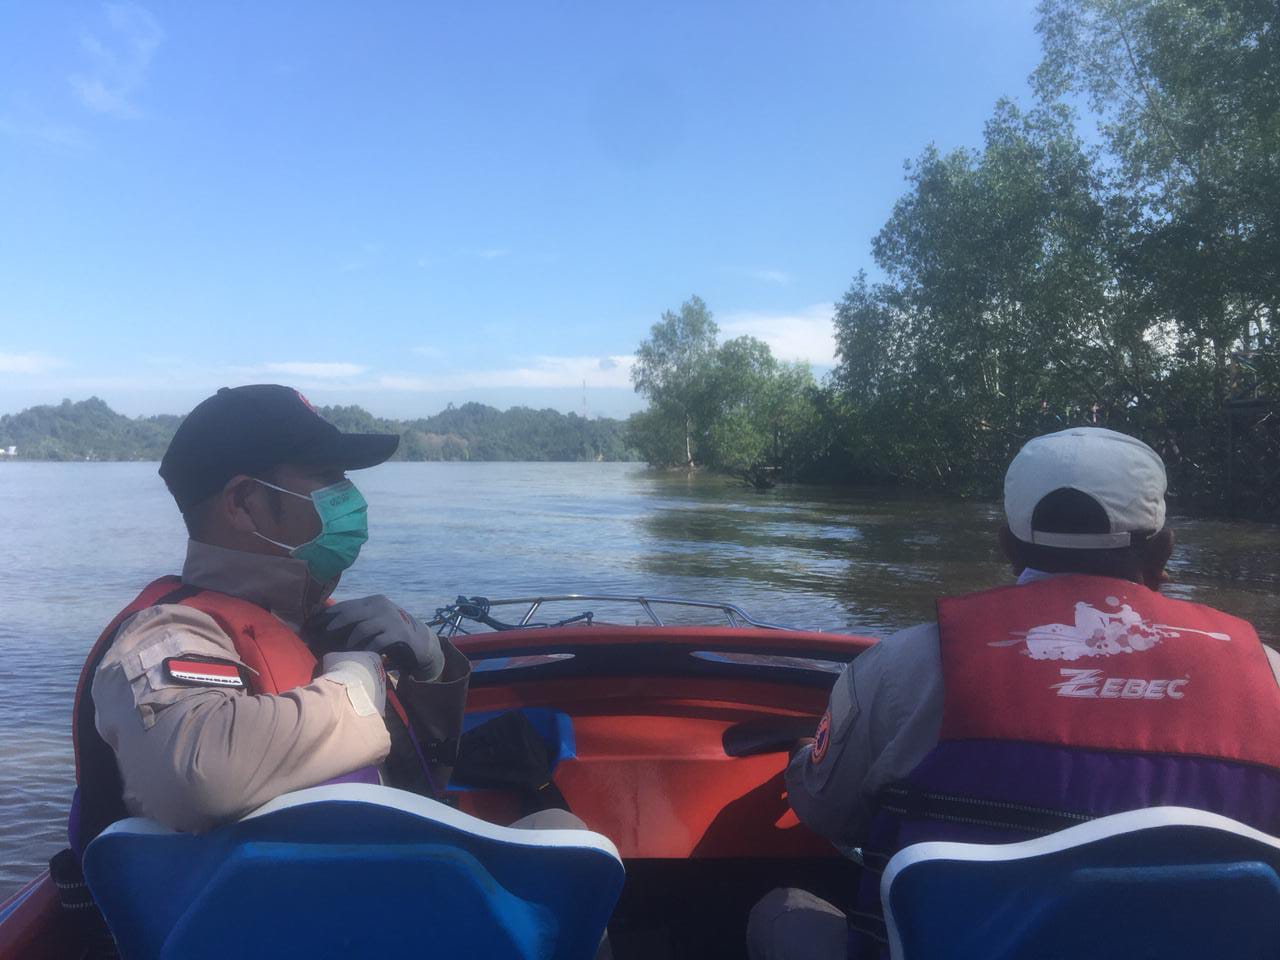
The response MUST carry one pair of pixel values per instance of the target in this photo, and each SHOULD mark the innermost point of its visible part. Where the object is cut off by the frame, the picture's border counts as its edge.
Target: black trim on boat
(601, 659)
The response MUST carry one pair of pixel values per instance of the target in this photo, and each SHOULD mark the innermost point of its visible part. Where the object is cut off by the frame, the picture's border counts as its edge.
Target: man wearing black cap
(1079, 692)
(201, 701)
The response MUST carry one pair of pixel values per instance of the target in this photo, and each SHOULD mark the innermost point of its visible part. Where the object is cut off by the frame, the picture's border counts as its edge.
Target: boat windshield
(467, 615)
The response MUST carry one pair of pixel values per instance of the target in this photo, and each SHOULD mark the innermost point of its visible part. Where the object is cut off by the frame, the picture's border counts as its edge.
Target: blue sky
(405, 204)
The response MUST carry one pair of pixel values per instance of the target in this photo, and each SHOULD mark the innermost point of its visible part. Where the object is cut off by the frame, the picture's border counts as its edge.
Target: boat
(667, 734)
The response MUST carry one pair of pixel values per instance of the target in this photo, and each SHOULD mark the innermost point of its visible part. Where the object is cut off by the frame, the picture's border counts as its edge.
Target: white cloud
(596, 372)
(493, 253)
(807, 335)
(176, 376)
(780, 277)
(119, 59)
(320, 371)
(28, 363)
(414, 390)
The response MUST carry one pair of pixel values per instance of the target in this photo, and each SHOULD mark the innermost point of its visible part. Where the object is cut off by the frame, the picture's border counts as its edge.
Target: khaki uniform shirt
(193, 757)
(886, 715)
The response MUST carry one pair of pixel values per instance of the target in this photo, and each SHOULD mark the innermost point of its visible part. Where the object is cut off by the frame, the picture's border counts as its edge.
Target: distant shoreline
(89, 430)
(69, 462)
(1182, 511)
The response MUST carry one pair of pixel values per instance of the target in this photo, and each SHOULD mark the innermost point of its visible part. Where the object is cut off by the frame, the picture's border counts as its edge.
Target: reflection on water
(77, 541)
(837, 559)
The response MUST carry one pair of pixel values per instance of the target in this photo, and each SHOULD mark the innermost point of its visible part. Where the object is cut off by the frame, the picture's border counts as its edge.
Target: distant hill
(88, 430)
(91, 430)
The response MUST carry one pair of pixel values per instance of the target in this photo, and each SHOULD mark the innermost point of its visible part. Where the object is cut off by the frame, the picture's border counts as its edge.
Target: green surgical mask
(344, 528)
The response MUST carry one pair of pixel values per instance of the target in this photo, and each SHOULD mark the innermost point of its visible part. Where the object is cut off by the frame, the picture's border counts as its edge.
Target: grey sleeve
(885, 713)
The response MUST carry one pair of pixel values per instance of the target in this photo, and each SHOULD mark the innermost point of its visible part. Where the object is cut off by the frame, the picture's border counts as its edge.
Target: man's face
(287, 519)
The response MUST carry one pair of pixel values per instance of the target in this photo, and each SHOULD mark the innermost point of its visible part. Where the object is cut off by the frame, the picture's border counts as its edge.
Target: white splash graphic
(1098, 633)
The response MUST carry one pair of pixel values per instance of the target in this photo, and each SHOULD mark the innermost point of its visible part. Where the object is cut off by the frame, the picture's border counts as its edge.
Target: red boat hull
(29, 924)
(651, 771)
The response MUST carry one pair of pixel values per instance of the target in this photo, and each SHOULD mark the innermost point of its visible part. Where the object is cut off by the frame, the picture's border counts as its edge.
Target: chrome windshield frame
(733, 615)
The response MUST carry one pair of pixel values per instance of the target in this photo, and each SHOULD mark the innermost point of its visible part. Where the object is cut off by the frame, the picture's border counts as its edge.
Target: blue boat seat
(1166, 882)
(354, 870)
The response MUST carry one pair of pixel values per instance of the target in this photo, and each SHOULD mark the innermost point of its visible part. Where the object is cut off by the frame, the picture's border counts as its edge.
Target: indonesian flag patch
(204, 672)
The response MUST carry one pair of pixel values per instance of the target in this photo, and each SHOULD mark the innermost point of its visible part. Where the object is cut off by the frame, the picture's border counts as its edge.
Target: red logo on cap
(306, 403)
(821, 739)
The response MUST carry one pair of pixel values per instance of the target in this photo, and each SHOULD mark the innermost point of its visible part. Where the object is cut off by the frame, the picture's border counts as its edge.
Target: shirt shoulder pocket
(172, 666)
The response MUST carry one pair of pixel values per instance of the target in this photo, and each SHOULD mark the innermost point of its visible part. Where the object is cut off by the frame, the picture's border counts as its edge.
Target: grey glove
(360, 671)
(378, 625)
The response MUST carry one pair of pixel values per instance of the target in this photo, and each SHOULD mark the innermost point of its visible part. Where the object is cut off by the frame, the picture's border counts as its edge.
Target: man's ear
(233, 503)
(1009, 544)
(1155, 557)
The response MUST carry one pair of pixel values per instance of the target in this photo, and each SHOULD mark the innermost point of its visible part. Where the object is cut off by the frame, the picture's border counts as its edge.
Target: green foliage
(1187, 97)
(995, 315)
(1037, 283)
(474, 431)
(730, 407)
(672, 371)
(658, 437)
(90, 430)
(735, 435)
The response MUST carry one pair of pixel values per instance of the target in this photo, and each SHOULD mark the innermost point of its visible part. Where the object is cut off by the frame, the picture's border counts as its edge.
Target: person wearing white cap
(1078, 692)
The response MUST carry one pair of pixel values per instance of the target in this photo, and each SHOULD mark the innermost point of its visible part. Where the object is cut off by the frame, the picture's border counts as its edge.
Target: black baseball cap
(252, 429)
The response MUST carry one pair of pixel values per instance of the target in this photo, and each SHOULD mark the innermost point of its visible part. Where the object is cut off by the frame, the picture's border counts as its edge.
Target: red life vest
(1075, 697)
(1089, 662)
(277, 658)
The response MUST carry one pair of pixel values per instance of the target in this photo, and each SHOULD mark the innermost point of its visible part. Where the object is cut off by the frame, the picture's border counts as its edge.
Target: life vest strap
(912, 802)
(78, 913)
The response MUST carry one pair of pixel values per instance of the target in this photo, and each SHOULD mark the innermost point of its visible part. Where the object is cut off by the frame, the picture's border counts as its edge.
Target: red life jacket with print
(1109, 665)
(277, 660)
(1076, 697)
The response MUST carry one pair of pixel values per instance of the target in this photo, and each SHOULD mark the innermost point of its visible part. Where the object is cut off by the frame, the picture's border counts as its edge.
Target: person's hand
(378, 625)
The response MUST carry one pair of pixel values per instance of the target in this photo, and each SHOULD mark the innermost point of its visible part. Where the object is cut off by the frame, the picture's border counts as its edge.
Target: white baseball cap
(1124, 475)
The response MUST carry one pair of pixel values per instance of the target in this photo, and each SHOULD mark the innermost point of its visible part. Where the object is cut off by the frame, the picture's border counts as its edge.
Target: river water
(78, 540)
